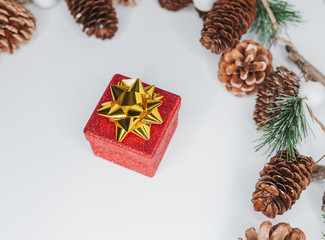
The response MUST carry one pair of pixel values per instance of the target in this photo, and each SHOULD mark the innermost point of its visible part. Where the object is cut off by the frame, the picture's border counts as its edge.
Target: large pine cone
(281, 183)
(174, 5)
(17, 25)
(281, 231)
(245, 67)
(97, 17)
(279, 83)
(226, 23)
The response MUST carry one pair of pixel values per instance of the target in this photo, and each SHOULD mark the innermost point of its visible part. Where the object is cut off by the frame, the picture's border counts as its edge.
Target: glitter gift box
(135, 153)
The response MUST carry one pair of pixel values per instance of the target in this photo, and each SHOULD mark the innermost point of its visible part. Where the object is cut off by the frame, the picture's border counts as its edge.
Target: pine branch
(284, 15)
(303, 63)
(286, 129)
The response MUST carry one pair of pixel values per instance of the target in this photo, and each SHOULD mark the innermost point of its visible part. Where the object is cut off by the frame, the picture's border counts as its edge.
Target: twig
(315, 118)
(305, 66)
(271, 15)
(303, 63)
(275, 24)
(319, 174)
(320, 159)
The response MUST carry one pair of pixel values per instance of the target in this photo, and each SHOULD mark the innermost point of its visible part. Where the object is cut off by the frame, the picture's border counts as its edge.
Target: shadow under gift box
(135, 153)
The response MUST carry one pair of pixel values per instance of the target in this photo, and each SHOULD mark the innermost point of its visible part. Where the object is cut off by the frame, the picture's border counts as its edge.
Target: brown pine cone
(245, 67)
(281, 231)
(17, 25)
(226, 23)
(281, 183)
(97, 17)
(125, 2)
(174, 5)
(279, 83)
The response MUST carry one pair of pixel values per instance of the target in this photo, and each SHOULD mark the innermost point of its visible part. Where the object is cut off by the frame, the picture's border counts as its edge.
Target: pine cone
(17, 25)
(97, 17)
(245, 67)
(281, 183)
(174, 5)
(226, 23)
(281, 231)
(279, 83)
(125, 2)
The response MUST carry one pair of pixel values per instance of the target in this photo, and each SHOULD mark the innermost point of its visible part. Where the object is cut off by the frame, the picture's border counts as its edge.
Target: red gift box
(135, 153)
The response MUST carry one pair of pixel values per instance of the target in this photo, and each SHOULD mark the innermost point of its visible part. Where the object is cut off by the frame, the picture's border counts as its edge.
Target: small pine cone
(174, 5)
(96, 17)
(281, 183)
(245, 67)
(17, 25)
(226, 23)
(279, 83)
(280, 231)
(125, 2)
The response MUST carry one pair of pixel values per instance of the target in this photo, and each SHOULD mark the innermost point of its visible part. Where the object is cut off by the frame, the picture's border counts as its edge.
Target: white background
(52, 186)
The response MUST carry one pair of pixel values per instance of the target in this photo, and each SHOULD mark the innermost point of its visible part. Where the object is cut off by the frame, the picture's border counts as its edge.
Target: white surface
(45, 3)
(52, 186)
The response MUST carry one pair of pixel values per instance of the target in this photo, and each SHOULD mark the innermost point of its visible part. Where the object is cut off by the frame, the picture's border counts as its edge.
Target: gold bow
(133, 109)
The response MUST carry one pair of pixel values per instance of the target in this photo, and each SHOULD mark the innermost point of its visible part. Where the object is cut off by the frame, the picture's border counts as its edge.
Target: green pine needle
(283, 13)
(286, 129)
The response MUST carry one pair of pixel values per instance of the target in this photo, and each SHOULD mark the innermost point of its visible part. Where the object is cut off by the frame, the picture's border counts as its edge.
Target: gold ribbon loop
(133, 109)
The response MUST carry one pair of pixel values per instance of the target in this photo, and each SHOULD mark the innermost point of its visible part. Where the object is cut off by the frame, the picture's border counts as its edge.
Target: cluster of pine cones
(243, 66)
(17, 24)
(246, 68)
(281, 181)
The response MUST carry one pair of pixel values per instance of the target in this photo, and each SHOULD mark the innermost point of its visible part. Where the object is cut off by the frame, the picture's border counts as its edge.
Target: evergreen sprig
(286, 129)
(283, 13)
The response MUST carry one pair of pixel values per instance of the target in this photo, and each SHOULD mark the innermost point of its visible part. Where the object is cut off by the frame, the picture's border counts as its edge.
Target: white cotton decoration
(45, 3)
(204, 5)
(313, 93)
